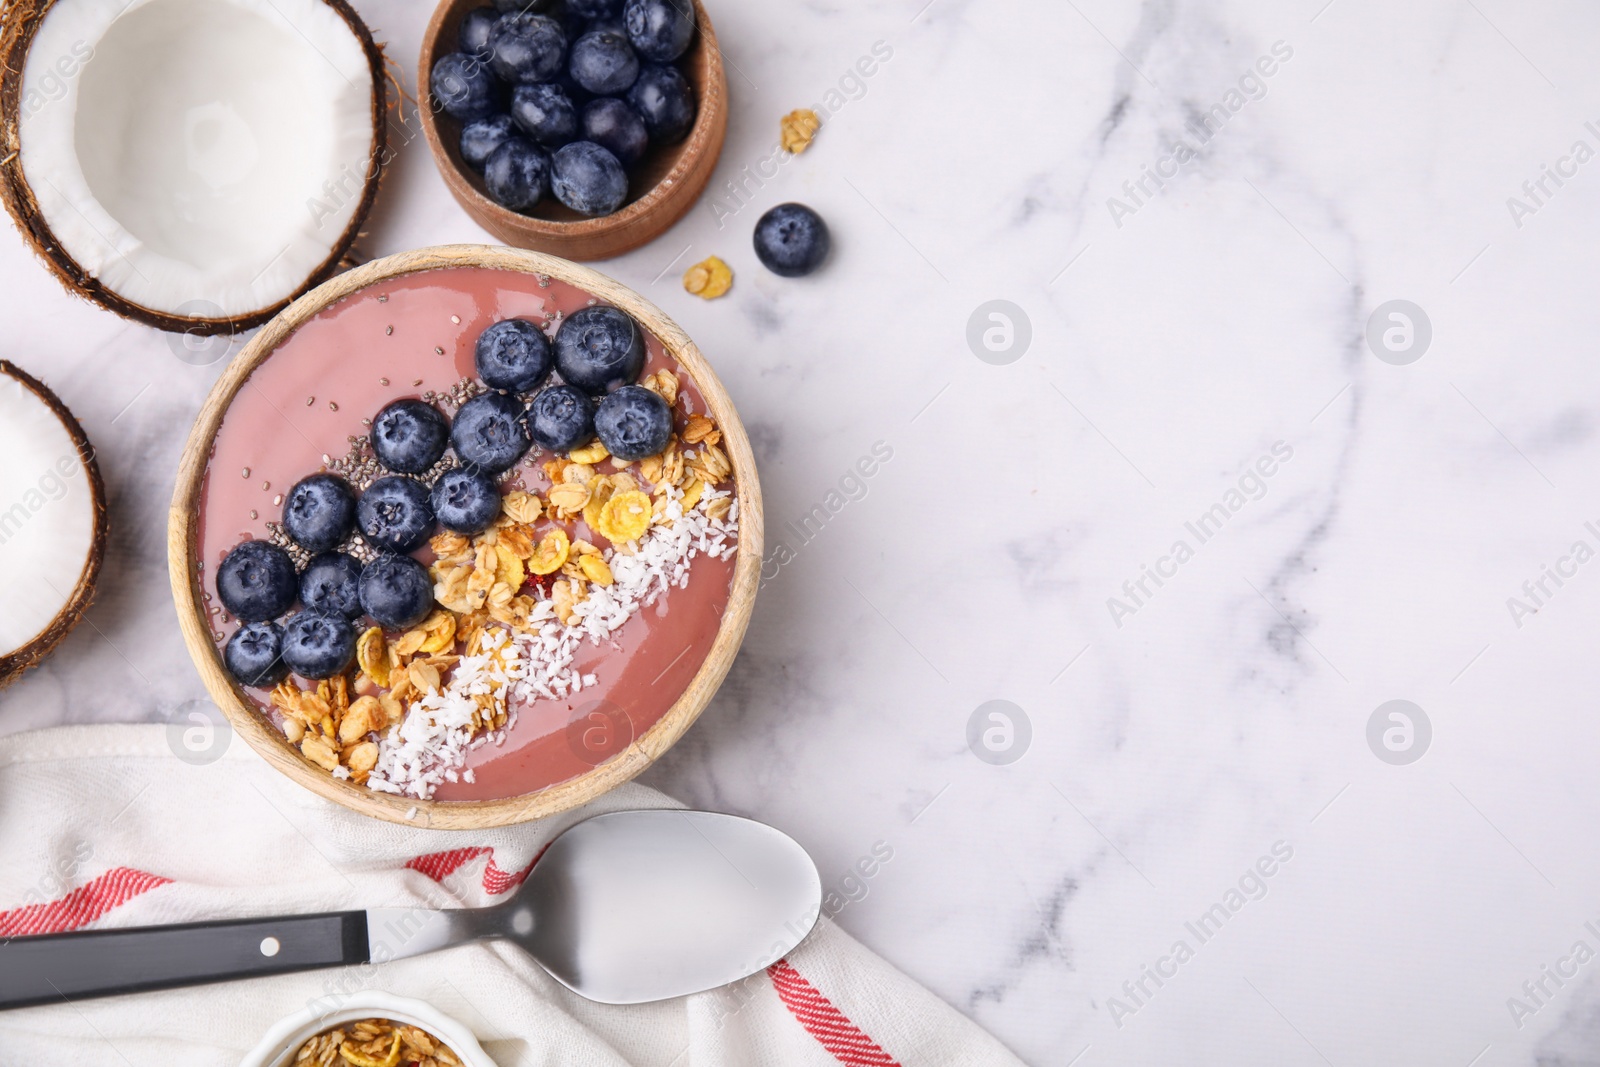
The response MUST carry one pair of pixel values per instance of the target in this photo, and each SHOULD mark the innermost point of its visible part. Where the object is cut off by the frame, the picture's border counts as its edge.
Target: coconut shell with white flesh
(52, 522)
(190, 164)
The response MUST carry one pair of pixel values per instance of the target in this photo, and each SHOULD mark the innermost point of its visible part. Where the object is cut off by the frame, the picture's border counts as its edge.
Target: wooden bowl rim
(247, 720)
(709, 112)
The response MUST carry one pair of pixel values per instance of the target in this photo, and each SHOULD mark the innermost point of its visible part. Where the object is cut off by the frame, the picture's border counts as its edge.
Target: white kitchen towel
(103, 826)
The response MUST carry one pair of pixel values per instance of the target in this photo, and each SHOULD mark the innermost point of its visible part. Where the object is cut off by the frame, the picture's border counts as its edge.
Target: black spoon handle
(100, 963)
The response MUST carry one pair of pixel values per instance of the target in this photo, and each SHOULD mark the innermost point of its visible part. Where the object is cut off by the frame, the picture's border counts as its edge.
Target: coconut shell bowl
(405, 327)
(662, 187)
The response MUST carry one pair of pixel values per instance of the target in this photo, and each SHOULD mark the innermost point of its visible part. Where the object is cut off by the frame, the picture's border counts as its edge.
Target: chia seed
(388, 331)
(332, 406)
(310, 400)
(247, 472)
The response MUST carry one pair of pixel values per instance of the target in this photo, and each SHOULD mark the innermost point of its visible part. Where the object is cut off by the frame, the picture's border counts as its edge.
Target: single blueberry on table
(616, 127)
(256, 581)
(545, 112)
(482, 136)
(603, 63)
(464, 86)
(409, 436)
(660, 29)
(488, 434)
(254, 655)
(466, 501)
(319, 512)
(317, 645)
(513, 355)
(791, 240)
(331, 584)
(526, 48)
(517, 174)
(633, 423)
(395, 514)
(588, 179)
(396, 591)
(598, 348)
(473, 35)
(561, 418)
(665, 100)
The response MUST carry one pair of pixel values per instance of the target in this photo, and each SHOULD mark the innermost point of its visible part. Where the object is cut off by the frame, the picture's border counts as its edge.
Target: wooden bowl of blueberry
(582, 128)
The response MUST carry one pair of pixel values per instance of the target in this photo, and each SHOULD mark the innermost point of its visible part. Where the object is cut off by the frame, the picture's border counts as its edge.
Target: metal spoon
(622, 908)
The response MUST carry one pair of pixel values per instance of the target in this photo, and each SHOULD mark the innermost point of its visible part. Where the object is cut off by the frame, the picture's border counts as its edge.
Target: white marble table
(1186, 734)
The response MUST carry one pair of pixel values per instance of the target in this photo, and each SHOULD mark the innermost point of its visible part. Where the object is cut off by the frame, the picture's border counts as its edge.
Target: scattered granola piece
(590, 453)
(709, 278)
(625, 517)
(521, 507)
(595, 569)
(700, 428)
(551, 553)
(319, 751)
(797, 128)
(664, 384)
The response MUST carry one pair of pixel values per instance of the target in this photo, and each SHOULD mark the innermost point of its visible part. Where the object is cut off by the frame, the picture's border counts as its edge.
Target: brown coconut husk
(13, 664)
(21, 22)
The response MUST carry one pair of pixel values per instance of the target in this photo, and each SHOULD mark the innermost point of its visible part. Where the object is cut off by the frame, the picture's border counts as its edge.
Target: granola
(375, 1043)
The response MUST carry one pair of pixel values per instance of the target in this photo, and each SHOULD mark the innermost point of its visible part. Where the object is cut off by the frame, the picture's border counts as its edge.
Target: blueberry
(409, 436)
(317, 645)
(616, 127)
(588, 179)
(603, 63)
(395, 514)
(665, 101)
(488, 434)
(254, 655)
(464, 86)
(331, 584)
(660, 29)
(256, 581)
(546, 113)
(633, 423)
(595, 9)
(474, 33)
(561, 418)
(466, 501)
(513, 355)
(396, 591)
(791, 240)
(319, 512)
(517, 174)
(482, 136)
(526, 48)
(598, 348)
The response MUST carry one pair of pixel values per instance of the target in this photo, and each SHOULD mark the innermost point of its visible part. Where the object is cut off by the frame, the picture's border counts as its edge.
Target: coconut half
(52, 522)
(192, 164)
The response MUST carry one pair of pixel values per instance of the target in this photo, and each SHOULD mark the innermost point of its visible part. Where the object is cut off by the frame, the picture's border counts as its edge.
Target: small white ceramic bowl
(278, 1047)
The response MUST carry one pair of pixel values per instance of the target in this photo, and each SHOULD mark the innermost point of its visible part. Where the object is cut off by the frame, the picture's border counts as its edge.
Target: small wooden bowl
(248, 721)
(673, 176)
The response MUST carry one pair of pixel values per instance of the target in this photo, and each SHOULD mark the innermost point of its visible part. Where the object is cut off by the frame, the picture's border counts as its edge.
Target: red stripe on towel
(80, 907)
(836, 1033)
(441, 865)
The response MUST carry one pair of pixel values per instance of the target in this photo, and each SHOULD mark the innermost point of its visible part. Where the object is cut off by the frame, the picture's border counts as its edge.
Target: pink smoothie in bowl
(307, 408)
